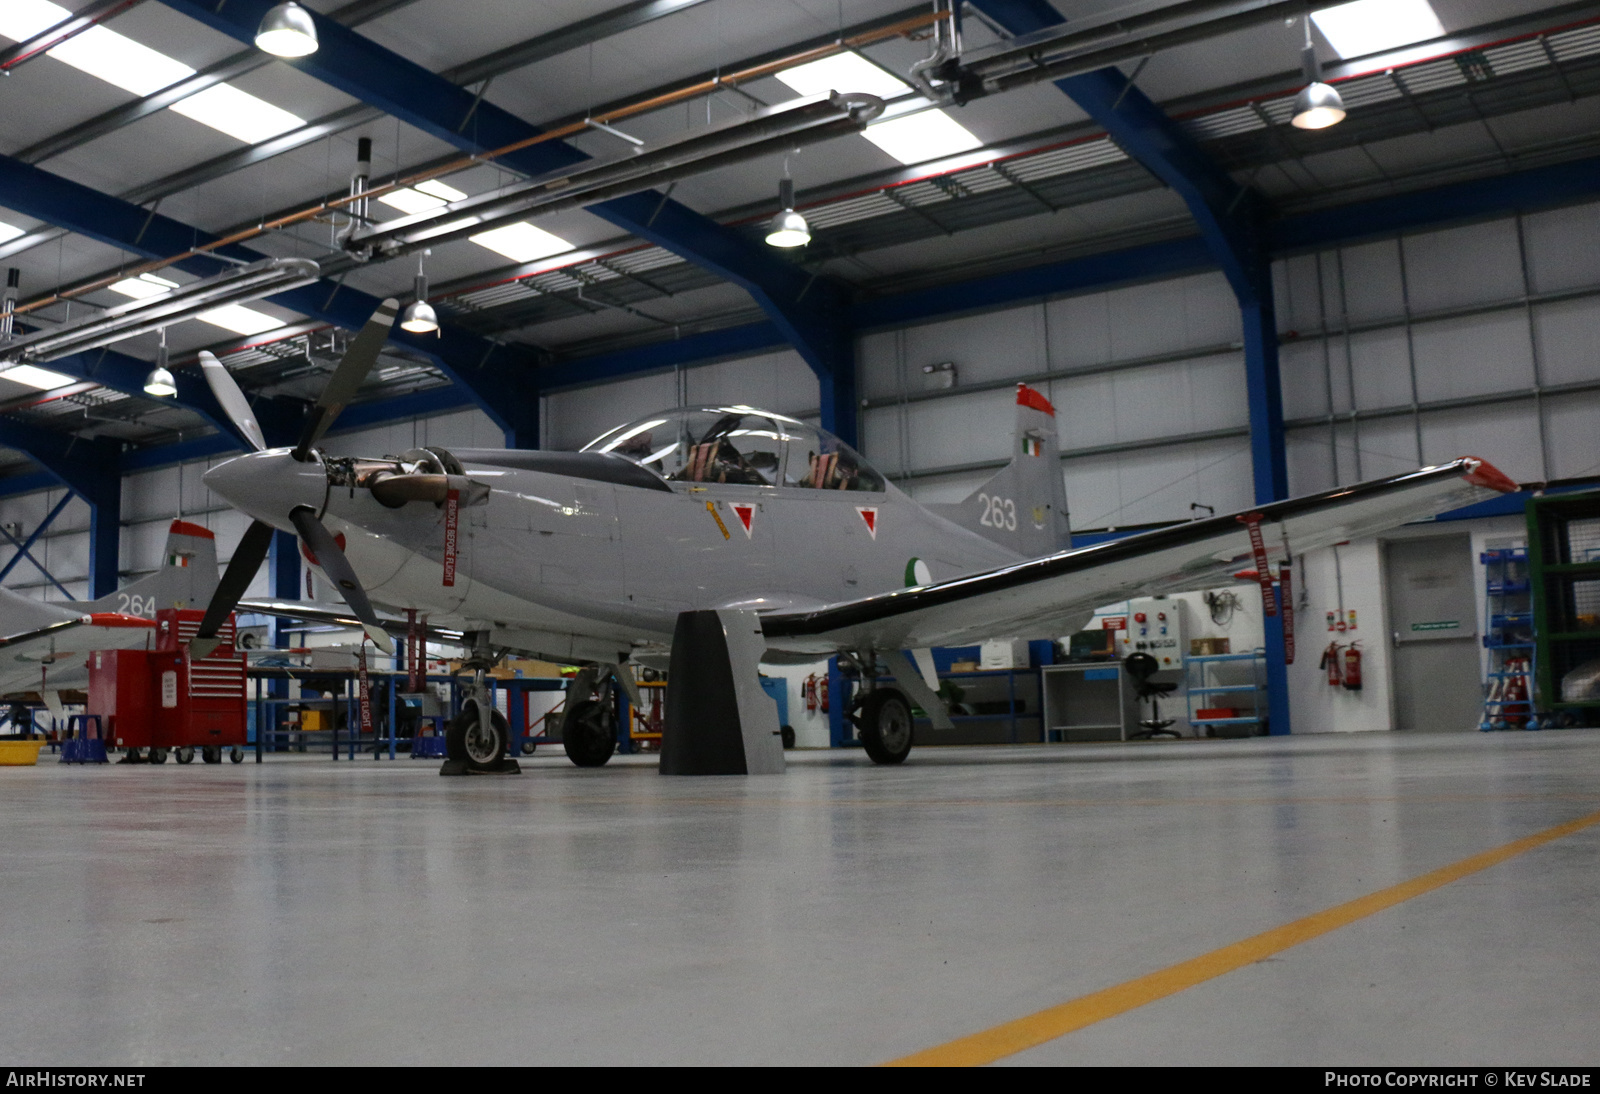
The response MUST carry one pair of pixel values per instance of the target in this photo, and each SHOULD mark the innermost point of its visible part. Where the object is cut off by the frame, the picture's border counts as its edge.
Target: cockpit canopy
(739, 445)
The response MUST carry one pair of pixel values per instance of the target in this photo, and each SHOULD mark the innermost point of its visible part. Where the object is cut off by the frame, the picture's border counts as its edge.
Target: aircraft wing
(1055, 594)
(337, 615)
(42, 643)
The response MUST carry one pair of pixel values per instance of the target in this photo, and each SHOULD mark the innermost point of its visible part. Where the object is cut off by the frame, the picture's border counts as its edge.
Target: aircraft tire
(464, 740)
(885, 726)
(184, 755)
(589, 734)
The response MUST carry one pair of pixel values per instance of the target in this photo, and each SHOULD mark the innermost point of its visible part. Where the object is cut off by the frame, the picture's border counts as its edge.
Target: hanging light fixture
(287, 31)
(1318, 105)
(788, 228)
(419, 316)
(160, 382)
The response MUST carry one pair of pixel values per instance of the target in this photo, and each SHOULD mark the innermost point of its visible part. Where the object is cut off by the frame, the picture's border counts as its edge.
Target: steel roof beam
(90, 469)
(499, 377)
(806, 308)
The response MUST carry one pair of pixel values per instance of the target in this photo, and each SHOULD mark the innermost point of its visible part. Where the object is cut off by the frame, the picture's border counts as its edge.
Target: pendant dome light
(160, 382)
(287, 31)
(1318, 105)
(788, 228)
(419, 316)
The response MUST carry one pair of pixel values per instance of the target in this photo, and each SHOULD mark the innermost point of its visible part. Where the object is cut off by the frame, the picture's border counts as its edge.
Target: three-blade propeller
(252, 550)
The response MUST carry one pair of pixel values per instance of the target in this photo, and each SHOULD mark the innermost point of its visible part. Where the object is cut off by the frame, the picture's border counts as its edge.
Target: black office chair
(1141, 666)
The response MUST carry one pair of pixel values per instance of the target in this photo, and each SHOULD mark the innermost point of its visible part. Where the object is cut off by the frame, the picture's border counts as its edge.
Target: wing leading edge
(1055, 594)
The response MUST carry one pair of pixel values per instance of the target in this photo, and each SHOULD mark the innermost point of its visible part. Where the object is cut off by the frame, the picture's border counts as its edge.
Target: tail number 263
(998, 512)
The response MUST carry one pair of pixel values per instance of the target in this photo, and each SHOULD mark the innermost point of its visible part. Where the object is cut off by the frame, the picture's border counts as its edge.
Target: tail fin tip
(1031, 397)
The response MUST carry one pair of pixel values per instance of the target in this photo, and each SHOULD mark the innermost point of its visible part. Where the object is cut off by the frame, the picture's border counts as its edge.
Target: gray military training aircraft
(775, 535)
(43, 644)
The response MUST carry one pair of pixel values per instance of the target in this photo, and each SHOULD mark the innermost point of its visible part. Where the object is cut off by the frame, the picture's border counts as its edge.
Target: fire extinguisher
(810, 691)
(1330, 661)
(1352, 667)
(822, 693)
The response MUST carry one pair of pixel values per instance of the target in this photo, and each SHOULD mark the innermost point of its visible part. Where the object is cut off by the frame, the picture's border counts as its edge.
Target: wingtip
(1483, 473)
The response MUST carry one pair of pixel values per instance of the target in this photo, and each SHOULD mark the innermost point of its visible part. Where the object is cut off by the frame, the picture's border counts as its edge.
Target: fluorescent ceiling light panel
(41, 379)
(135, 68)
(239, 319)
(422, 197)
(917, 138)
(846, 71)
(521, 242)
(22, 19)
(142, 287)
(237, 113)
(1370, 26)
(8, 232)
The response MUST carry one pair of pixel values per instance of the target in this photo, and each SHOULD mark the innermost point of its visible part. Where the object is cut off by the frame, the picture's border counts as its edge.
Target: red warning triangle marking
(746, 513)
(869, 513)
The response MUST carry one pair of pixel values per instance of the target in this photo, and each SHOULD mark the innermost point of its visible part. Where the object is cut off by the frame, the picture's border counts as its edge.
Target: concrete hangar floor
(307, 912)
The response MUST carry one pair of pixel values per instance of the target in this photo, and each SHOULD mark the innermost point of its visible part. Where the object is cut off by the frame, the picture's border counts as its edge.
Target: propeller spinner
(291, 480)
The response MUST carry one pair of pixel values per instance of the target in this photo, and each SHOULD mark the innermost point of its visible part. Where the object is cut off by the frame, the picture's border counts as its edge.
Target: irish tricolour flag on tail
(1032, 445)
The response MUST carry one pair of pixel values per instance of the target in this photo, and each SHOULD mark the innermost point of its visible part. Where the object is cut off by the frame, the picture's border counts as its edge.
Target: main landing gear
(882, 716)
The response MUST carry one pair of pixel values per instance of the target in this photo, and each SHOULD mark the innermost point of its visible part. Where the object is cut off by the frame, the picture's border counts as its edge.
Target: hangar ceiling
(1511, 85)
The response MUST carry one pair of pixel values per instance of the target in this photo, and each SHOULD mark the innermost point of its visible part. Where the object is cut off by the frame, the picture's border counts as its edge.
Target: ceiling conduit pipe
(236, 286)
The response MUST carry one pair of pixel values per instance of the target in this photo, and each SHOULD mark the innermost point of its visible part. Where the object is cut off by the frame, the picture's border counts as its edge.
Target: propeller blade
(234, 404)
(247, 559)
(346, 379)
(339, 570)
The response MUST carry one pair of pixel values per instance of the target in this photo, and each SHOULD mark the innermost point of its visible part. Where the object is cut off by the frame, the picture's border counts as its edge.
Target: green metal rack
(1564, 572)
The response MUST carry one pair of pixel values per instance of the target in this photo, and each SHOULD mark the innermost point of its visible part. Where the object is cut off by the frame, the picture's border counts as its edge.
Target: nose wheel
(477, 746)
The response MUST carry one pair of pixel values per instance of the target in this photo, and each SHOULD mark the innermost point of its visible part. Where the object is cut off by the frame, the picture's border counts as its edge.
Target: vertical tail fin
(1024, 506)
(186, 578)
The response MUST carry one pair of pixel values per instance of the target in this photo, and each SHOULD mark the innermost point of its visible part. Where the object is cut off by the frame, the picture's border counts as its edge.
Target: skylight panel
(848, 71)
(41, 379)
(422, 197)
(521, 242)
(239, 319)
(120, 61)
(22, 19)
(1371, 26)
(916, 138)
(237, 113)
(140, 70)
(8, 232)
(142, 287)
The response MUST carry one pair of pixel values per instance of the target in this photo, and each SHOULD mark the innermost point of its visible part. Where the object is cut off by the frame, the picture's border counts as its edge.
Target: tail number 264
(998, 512)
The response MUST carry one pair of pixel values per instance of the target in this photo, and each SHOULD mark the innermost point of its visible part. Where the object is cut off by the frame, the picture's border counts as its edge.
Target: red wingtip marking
(1027, 396)
(1484, 473)
(116, 619)
(184, 528)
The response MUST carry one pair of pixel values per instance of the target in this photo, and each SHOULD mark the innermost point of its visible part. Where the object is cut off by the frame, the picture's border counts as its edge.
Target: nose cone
(270, 485)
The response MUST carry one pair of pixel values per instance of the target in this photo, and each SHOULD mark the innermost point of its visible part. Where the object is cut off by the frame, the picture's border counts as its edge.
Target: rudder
(1024, 506)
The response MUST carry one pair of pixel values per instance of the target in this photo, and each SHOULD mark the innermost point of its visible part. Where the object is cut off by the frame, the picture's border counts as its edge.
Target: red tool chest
(163, 698)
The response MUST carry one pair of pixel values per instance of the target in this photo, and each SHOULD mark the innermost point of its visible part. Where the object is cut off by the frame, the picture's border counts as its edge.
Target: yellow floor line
(1046, 1025)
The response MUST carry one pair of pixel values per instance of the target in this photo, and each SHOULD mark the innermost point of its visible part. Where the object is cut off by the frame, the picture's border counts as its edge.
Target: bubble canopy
(739, 445)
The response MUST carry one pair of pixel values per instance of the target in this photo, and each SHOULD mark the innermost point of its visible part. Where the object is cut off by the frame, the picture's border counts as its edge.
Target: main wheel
(158, 755)
(466, 739)
(211, 754)
(589, 733)
(185, 755)
(885, 726)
